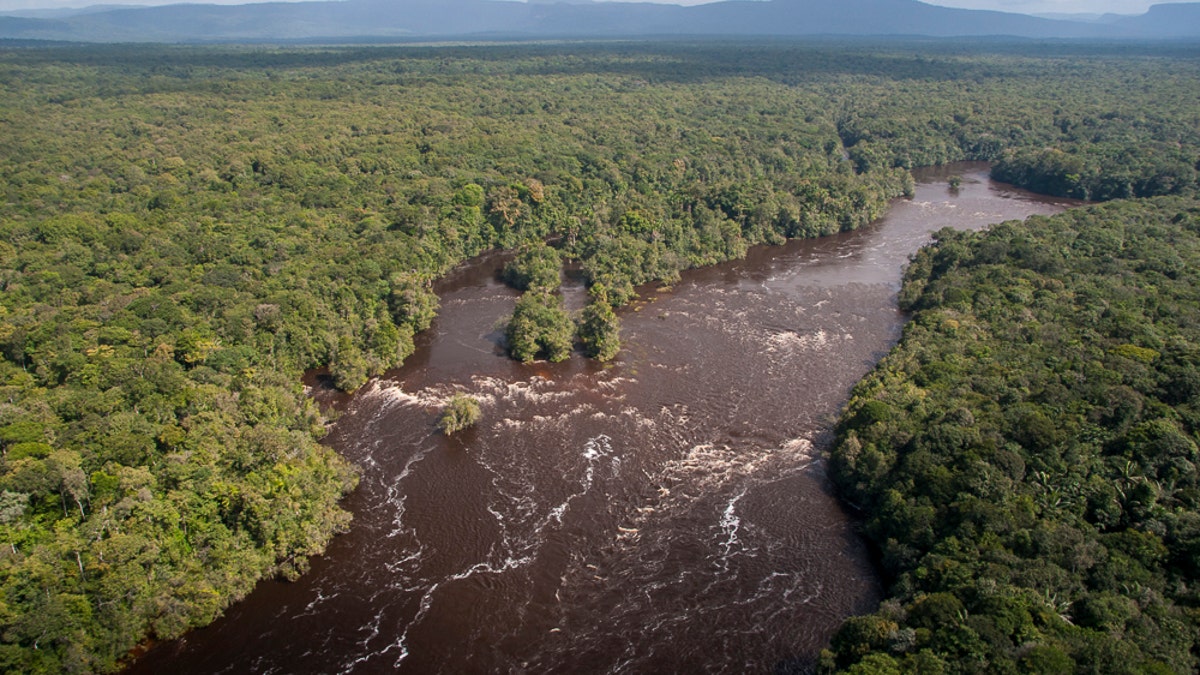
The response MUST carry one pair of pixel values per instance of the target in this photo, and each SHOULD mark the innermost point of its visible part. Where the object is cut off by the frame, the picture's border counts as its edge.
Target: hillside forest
(185, 231)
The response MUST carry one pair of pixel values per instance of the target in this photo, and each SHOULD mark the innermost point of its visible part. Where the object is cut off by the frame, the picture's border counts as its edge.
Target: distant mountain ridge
(399, 19)
(1168, 21)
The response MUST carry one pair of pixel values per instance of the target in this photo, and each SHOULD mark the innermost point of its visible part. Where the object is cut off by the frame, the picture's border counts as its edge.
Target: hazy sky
(1060, 6)
(1024, 6)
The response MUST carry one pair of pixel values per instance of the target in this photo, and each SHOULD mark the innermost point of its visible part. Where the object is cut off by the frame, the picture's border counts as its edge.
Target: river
(668, 512)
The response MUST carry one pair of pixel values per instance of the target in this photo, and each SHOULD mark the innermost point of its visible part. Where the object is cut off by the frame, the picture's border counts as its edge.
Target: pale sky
(1023, 6)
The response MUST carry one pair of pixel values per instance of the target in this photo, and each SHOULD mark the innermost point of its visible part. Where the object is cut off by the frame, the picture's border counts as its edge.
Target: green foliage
(413, 305)
(1026, 458)
(1129, 167)
(536, 268)
(539, 326)
(184, 231)
(599, 328)
(461, 412)
(1062, 125)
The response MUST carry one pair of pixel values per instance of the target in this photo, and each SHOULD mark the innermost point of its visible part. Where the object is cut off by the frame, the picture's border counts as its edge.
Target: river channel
(667, 512)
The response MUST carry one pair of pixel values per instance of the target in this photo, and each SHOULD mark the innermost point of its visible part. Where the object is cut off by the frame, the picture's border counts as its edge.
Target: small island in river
(187, 230)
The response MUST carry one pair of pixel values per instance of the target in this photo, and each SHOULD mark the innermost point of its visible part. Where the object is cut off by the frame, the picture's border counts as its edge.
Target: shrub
(461, 412)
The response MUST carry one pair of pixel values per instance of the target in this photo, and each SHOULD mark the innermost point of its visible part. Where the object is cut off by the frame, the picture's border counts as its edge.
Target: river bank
(667, 511)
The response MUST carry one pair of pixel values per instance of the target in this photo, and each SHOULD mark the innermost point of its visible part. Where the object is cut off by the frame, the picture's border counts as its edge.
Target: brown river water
(668, 512)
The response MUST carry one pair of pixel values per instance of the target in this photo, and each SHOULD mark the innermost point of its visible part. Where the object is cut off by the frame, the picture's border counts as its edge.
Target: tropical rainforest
(1026, 458)
(185, 231)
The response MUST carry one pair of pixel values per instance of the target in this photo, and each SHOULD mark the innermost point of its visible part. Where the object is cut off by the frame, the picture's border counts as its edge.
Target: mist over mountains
(485, 19)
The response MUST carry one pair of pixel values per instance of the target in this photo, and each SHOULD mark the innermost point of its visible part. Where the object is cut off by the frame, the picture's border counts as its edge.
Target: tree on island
(460, 413)
(599, 327)
(540, 327)
(534, 269)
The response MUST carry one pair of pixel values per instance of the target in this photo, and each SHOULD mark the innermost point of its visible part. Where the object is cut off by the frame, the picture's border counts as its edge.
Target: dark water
(666, 513)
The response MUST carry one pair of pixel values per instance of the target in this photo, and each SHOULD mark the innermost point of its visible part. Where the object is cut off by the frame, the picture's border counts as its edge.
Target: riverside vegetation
(1026, 458)
(185, 231)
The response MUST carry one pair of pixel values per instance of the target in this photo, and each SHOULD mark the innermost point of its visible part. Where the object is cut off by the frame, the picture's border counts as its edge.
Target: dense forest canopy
(1026, 458)
(184, 231)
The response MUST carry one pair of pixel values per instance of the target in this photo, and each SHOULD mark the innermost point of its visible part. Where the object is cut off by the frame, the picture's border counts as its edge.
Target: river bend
(668, 512)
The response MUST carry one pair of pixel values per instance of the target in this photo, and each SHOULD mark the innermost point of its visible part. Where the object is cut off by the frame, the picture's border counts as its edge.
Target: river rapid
(667, 512)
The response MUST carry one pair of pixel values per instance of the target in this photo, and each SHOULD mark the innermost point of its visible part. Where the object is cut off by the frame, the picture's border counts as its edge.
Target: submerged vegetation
(185, 231)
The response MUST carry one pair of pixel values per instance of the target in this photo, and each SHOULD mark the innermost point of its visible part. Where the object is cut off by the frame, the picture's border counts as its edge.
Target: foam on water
(397, 497)
(729, 525)
(791, 341)
(394, 394)
(658, 514)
